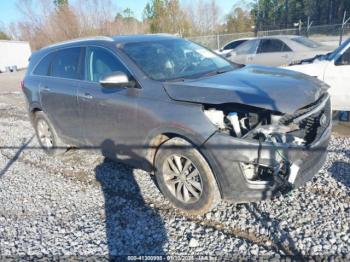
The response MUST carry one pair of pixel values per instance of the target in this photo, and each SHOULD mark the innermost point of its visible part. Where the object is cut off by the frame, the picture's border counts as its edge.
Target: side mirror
(232, 53)
(116, 79)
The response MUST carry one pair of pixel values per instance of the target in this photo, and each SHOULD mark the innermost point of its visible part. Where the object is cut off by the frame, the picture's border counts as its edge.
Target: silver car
(230, 46)
(277, 50)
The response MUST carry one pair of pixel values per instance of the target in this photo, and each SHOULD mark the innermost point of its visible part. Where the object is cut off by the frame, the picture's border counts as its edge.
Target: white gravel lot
(82, 205)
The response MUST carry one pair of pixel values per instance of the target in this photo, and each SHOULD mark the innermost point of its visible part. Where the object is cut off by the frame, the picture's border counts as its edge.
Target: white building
(14, 53)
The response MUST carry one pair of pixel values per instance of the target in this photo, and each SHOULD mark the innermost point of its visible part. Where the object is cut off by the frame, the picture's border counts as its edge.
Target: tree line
(49, 21)
(278, 14)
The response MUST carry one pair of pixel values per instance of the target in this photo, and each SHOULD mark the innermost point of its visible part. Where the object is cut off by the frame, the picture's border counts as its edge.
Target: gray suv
(207, 128)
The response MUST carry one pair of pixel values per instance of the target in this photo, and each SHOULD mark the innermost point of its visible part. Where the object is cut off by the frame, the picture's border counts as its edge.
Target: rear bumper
(225, 153)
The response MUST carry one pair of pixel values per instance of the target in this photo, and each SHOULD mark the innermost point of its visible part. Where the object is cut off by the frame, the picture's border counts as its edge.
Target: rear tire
(47, 136)
(185, 178)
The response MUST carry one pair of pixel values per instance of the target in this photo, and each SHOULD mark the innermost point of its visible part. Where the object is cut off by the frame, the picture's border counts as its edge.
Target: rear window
(306, 42)
(234, 44)
(42, 69)
(66, 62)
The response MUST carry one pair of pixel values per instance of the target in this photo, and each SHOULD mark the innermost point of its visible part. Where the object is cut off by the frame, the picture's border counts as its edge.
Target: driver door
(109, 115)
(337, 75)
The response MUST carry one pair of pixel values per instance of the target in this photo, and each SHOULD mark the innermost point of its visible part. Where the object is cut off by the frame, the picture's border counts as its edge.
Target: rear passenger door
(273, 52)
(58, 92)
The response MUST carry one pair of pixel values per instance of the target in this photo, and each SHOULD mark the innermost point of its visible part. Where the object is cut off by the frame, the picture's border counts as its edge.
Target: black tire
(209, 196)
(56, 147)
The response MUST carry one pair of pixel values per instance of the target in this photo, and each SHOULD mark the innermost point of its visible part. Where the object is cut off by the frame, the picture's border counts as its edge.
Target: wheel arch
(158, 139)
(32, 110)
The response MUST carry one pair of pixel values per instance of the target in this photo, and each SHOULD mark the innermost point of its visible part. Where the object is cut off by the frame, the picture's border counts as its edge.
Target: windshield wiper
(179, 79)
(216, 72)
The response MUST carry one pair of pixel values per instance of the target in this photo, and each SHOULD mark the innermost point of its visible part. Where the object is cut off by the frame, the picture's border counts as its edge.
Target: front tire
(47, 136)
(185, 178)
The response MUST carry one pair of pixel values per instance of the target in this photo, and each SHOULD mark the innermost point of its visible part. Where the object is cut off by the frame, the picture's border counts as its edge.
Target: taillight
(22, 85)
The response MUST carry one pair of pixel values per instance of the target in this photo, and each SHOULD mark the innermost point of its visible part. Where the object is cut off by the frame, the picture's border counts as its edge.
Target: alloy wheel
(45, 134)
(183, 179)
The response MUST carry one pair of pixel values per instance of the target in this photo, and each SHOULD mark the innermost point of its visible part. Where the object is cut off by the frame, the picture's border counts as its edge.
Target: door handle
(46, 88)
(87, 96)
(285, 56)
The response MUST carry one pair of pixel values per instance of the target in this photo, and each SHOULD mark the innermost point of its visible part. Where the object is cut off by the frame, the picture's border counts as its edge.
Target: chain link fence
(326, 34)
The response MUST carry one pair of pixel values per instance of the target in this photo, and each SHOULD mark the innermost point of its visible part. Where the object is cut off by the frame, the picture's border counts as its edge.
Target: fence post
(308, 26)
(218, 41)
(345, 21)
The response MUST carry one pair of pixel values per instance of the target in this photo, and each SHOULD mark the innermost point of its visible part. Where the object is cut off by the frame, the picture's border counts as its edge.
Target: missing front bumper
(225, 153)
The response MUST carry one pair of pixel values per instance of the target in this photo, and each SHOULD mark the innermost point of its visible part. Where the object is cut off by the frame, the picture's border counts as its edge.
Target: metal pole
(308, 26)
(218, 41)
(257, 26)
(342, 29)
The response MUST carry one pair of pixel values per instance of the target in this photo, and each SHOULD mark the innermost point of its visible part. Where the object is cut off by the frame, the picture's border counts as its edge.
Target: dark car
(207, 128)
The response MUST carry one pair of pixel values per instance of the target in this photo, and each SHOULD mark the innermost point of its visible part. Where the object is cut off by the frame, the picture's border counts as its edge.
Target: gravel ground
(82, 205)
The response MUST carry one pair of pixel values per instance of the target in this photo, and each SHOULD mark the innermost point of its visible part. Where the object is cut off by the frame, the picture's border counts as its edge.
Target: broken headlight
(235, 122)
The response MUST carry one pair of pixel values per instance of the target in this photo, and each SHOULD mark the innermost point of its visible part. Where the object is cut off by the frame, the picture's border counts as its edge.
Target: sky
(9, 12)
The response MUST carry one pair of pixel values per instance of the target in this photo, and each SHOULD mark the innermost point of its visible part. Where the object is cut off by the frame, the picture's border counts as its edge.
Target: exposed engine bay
(280, 131)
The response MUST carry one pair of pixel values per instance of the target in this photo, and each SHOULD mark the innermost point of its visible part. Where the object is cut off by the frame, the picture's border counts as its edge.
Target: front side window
(100, 62)
(164, 60)
(66, 62)
(273, 46)
(340, 48)
(247, 48)
(344, 59)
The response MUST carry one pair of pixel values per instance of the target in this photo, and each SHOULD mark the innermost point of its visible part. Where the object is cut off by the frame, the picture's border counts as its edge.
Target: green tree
(273, 14)
(59, 3)
(153, 13)
(166, 16)
(238, 20)
(4, 36)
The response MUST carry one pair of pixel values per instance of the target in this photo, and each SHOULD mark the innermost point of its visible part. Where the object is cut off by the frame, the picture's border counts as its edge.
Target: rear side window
(43, 68)
(100, 62)
(273, 46)
(66, 62)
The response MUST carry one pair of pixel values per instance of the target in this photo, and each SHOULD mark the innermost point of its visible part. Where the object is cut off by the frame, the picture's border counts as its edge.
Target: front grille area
(312, 120)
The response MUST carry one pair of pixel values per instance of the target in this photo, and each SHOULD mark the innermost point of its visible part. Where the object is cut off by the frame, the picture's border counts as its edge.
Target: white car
(230, 46)
(278, 50)
(333, 69)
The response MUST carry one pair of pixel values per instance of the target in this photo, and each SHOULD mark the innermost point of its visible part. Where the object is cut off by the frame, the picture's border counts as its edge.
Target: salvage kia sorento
(207, 128)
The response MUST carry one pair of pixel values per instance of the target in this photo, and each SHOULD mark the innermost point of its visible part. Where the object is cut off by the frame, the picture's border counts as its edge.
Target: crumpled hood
(270, 88)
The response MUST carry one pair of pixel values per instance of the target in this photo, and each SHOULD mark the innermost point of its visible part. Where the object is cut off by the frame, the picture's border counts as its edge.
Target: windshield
(173, 59)
(332, 55)
(306, 42)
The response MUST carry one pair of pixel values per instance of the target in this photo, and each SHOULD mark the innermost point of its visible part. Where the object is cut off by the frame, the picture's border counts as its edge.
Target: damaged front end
(259, 152)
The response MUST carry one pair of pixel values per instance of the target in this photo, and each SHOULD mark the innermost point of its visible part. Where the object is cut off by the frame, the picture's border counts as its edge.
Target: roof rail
(77, 40)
